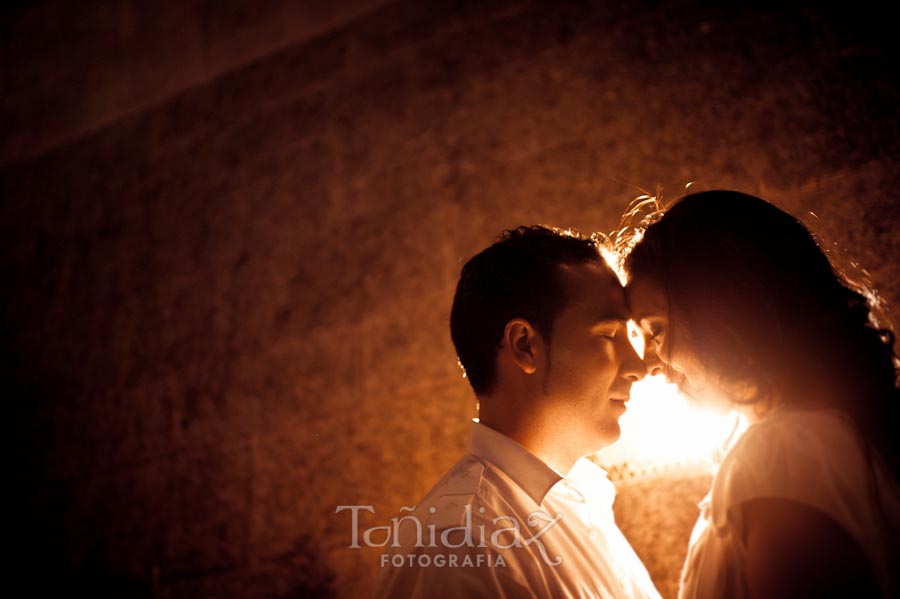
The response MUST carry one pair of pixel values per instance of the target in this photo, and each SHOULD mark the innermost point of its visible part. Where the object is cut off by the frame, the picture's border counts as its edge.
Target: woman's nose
(652, 362)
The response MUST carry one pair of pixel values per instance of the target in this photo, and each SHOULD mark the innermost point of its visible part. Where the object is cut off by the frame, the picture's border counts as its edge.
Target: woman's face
(667, 349)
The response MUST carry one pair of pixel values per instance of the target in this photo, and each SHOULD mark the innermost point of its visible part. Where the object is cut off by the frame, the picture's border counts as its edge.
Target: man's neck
(549, 445)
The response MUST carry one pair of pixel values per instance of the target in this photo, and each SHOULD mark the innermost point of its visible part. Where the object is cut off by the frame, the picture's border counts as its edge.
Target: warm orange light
(636, 337)
(612, 260)
(662, 429)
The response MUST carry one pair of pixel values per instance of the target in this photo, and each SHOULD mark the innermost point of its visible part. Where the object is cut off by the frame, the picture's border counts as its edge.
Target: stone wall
(225, 311)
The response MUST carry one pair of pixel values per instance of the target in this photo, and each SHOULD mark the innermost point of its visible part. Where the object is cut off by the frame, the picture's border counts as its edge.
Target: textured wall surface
(79, 66)
(225, 311)
(657, 515)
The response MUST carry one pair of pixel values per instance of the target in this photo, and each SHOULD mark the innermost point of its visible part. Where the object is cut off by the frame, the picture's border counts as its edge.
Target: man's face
(592, 362)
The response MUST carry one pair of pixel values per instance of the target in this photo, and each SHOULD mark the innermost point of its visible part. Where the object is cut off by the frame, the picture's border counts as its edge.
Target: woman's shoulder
(813, 459)
(787, 435)
(809, 456)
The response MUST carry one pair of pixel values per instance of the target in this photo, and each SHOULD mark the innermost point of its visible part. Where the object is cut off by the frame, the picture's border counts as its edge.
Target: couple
(741, 308)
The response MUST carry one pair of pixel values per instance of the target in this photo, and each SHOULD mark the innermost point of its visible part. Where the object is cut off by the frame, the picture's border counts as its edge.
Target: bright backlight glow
(662, 429)
(636, 338)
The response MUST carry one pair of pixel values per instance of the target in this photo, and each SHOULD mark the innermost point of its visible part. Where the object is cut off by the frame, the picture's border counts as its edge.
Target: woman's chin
(706, 398)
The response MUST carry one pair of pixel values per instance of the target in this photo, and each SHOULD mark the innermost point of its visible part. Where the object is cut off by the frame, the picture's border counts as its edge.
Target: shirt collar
(523, 467)
(592, 482)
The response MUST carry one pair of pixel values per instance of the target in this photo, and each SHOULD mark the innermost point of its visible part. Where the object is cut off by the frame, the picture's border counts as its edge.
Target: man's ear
(524, 344)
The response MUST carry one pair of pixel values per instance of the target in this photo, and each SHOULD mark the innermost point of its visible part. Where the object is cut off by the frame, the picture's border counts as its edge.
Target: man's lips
(619, 401)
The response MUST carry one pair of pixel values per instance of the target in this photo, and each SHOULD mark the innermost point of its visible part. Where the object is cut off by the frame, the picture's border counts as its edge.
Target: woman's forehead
(645, 299)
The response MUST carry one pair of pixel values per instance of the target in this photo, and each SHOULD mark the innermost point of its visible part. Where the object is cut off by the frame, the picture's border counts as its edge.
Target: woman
(743, 310)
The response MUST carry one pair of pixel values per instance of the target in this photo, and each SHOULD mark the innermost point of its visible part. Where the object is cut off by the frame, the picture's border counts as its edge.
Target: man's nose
(633, 368)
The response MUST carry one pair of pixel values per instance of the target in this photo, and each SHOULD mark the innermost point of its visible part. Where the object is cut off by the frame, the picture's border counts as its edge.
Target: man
(539, 324)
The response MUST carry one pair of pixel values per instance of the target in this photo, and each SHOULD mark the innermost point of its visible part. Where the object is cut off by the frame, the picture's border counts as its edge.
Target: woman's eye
(656, 335)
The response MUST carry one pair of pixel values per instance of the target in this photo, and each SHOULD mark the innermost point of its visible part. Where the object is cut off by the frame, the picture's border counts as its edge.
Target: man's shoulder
(445, 504)
(463, 477)
(442, 544)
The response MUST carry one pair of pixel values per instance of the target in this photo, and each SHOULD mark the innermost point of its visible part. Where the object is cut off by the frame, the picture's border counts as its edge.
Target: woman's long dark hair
(763, 306)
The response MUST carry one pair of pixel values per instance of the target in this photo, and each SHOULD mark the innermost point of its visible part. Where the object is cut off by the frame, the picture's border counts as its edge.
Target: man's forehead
(597, 284)
(594, 270)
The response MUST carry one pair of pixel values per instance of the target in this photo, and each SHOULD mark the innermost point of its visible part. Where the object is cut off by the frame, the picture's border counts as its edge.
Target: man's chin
(608, 436)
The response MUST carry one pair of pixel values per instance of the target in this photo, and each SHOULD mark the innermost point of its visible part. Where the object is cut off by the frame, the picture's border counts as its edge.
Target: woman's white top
(810, 456)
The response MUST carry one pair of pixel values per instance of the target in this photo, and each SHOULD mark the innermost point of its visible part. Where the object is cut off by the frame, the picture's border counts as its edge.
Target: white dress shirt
(502, 523)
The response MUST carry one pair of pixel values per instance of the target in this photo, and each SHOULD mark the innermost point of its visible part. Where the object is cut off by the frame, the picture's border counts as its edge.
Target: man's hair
(516, 277)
